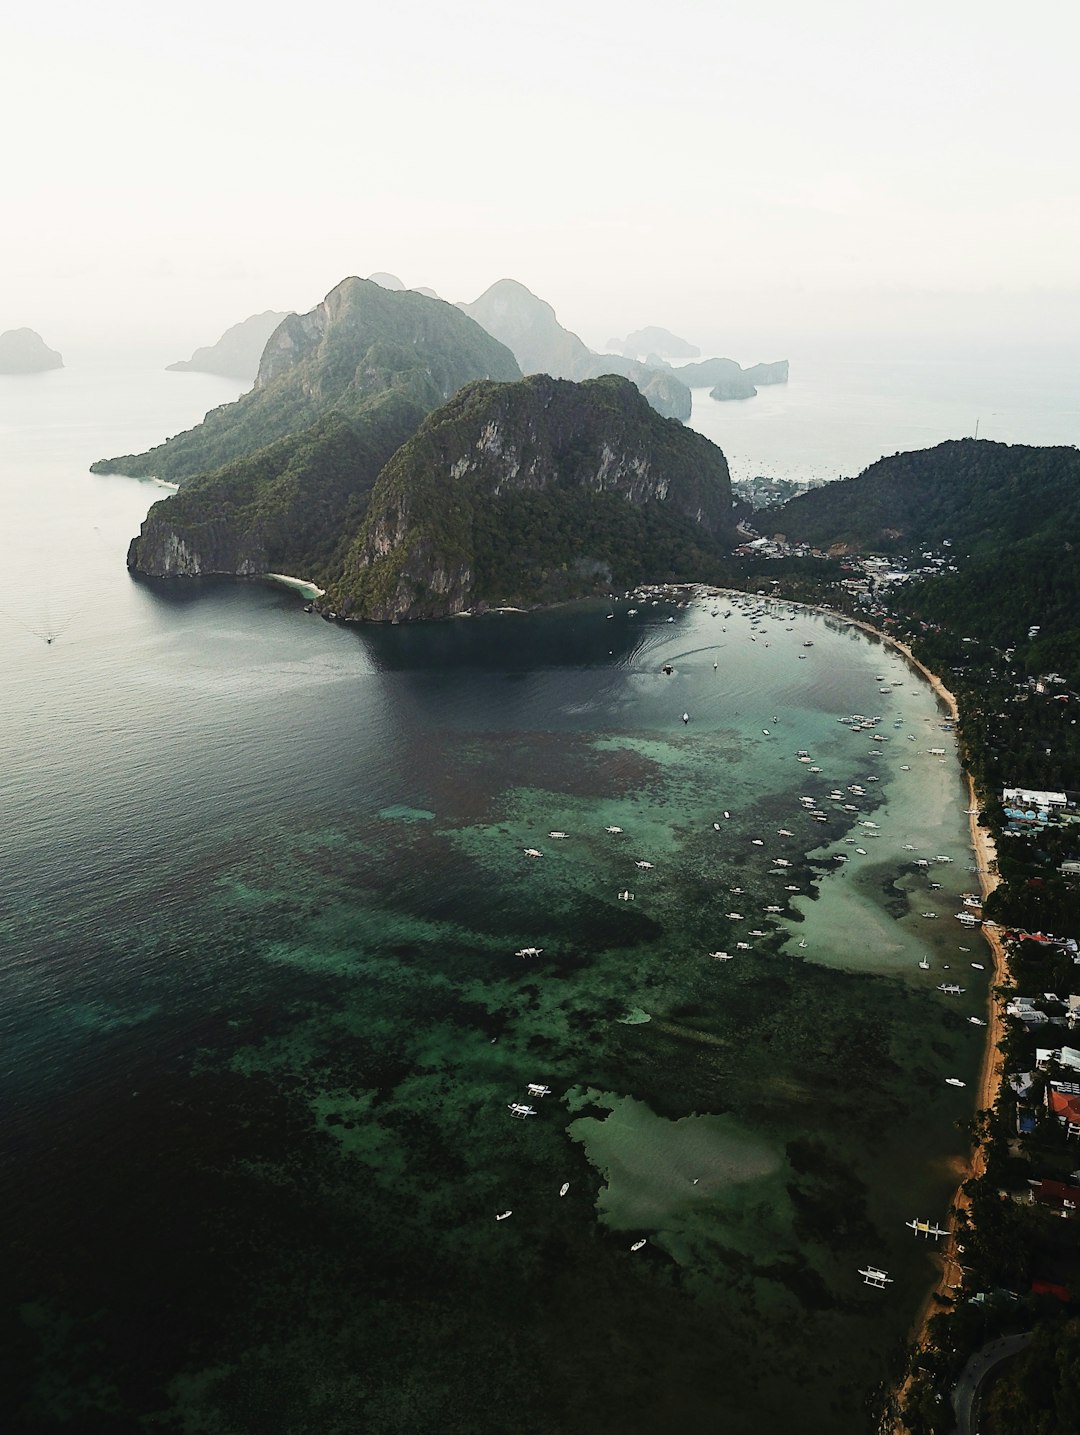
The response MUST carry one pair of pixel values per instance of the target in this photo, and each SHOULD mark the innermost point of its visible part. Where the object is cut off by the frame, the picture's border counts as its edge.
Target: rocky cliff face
(360, 342)
(530, 492)
(166, 548)
(280, 480)
(22, 351)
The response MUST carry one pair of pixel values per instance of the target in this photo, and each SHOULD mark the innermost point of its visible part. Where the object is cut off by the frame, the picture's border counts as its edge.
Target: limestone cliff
(361, 341)
(532, 492)
(22, 351)
(280, 480)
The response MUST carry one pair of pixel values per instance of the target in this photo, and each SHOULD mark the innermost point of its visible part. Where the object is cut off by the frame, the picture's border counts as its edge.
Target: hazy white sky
(737, 172)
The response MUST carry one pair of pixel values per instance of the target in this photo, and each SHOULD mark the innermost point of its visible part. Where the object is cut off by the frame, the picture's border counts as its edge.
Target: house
(1028, 797)
(1065, 1105)
(1062, 1199)
(1066, 1056)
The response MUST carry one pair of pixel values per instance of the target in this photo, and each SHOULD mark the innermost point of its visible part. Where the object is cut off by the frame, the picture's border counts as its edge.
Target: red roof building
(1066, 1107)
(1063, 1199)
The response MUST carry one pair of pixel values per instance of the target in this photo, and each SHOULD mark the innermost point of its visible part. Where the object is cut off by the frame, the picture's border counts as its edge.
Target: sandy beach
(990, 1073)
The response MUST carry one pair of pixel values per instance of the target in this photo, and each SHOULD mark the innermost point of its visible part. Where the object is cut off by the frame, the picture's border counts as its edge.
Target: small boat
(976, 1021)
(978, 966)
(626, 895)
(534, 1088)
(721, 956)
(519, 1110)
(613, 829)
(726, 812)
(645, 866)
(735, 916)
(924, 964)
(557, 835)
(757, 842)
(686, 717)
(503, 1215)
(803, 942)
(879, 1279)
(528, 951)
(954, 1081)
(532, 852)
(924, 1228)
(564, 1188)
(638, 1244)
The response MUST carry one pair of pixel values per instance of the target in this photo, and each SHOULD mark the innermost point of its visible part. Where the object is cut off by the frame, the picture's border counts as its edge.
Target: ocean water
(838, 413)
(263, 1018)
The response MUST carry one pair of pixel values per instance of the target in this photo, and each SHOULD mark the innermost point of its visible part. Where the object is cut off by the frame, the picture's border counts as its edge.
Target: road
(975, 1371)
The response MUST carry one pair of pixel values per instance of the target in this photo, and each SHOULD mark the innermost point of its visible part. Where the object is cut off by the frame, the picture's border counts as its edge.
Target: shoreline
(991, 1068)
(303, 586)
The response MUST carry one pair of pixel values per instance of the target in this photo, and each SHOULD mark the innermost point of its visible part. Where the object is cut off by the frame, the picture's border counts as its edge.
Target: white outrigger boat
(879, 1279)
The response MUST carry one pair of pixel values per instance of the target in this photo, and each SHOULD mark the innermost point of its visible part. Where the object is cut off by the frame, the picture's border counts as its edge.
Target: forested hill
(279, 480)
(361, 342)
(534, 492)
(1011, 518)
(983, 497)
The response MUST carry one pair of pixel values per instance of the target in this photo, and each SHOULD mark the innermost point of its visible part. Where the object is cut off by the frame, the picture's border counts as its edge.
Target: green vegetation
(996, 613)
(1039, 1392)
(533, 492)
(984, 497)
(280, 479)
(359, 342)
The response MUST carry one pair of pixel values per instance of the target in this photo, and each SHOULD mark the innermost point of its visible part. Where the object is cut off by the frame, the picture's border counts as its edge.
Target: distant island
(528, 327)
(725, 379)
(653, 340)
(237, 353)
(22, 351)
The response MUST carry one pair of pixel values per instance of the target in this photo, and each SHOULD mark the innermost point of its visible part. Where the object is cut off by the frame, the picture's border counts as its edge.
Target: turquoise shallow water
(263, 1017)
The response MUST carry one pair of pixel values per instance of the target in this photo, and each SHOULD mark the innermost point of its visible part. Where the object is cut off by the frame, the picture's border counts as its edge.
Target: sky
(750, 176)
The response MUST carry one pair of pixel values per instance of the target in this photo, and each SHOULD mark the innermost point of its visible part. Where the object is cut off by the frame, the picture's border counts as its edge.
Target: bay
(264, 883)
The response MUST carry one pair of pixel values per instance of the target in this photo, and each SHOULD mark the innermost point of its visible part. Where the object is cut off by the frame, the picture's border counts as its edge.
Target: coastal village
(1009, 1252)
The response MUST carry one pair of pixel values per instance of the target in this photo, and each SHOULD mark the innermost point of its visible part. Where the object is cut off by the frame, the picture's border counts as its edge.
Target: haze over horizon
(753, 180)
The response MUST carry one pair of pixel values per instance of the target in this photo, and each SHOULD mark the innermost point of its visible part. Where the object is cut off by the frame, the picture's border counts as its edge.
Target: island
(237, 353)
(22, 351)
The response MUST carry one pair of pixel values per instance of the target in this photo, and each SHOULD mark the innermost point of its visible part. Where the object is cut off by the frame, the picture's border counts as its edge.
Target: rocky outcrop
(237, 353)
(166, 549)
(361, 341)
(664, 390)
(530, 492)
(528, 327)
(280, 480)
(768, 373)
(22, 351)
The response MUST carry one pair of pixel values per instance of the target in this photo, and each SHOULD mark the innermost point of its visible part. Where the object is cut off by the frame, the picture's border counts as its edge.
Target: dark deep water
(263, 882)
